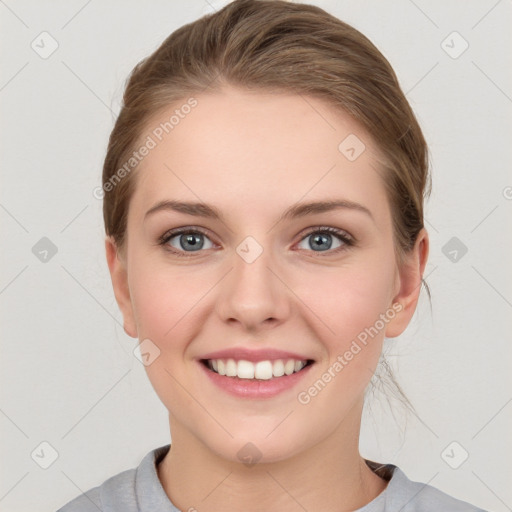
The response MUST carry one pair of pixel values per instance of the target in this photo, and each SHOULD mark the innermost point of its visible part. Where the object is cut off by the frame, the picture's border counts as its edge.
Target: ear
(119, 276)
(409, 278)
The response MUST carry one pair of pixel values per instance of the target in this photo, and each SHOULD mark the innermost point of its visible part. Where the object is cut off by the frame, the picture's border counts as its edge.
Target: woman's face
(254, 284)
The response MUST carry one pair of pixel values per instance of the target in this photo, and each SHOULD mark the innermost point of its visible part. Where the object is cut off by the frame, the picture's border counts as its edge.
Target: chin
(256, 448)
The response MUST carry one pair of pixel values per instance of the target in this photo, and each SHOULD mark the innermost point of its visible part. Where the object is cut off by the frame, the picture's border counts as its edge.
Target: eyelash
(344, 237)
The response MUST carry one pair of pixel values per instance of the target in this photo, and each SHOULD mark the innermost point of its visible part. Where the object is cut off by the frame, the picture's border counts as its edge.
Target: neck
(330, 476)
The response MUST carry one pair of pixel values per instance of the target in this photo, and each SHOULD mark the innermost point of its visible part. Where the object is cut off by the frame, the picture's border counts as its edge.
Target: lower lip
(255, 388)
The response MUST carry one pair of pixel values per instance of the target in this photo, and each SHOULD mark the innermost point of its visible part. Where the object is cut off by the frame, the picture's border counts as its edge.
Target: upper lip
(268, 354)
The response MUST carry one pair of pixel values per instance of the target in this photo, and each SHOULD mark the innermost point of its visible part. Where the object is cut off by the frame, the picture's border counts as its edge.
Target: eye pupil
(191, 239)
(320, 239)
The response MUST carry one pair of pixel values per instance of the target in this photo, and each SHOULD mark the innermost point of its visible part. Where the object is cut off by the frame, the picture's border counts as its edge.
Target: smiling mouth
(261, 370)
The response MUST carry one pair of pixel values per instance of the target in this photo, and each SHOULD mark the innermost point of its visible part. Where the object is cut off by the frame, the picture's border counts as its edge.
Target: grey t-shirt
(140, 490)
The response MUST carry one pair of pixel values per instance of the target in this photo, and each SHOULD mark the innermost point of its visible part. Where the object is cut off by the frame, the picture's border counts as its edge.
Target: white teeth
(289, 367)
(262, 370)
(278, 368)
(231, 369)
(245, 370)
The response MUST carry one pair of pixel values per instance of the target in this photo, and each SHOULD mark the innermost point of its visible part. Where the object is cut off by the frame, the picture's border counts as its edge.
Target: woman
(264, 187)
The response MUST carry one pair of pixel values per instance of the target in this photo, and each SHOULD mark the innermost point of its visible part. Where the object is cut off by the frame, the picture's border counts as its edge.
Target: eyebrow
(295, 211)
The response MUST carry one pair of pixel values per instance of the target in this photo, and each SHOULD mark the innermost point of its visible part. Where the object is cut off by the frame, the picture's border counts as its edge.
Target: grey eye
(190, 241)
(319, 240)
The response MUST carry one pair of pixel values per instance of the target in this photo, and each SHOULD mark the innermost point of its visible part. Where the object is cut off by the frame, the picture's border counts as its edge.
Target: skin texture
(252, 155)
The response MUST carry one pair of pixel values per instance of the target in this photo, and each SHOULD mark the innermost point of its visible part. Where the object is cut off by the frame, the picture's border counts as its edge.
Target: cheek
(154, 306)
(163, 300)
(348, 300)
(352, 303)
(165, 307)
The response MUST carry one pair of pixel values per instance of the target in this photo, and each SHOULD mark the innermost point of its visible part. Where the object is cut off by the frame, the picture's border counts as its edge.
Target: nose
(253, 293)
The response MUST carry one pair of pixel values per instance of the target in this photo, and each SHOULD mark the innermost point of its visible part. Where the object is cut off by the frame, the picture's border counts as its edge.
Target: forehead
(246, 149)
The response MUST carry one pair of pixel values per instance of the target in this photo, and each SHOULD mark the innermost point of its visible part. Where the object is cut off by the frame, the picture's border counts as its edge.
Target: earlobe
(119, 277)
(410, 279)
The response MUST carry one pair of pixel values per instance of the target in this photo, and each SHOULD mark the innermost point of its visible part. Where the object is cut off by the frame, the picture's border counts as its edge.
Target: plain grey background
(69, 377)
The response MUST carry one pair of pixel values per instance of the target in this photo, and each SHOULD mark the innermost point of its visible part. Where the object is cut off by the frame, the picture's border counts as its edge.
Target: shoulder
(120, 487)
(127, 491)
(410, 496)
(88, 501)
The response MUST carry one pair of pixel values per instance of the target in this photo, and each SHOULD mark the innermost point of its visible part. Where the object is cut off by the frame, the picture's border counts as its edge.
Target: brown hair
(279, 46)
